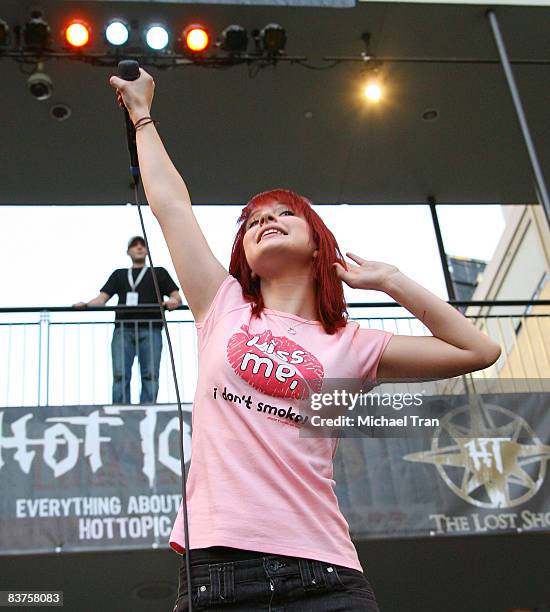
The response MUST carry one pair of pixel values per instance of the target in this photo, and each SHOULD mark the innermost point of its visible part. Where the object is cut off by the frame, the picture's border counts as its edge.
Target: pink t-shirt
(253, 482)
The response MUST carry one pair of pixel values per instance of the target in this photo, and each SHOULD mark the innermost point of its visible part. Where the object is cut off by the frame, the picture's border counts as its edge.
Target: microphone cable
(129, 71)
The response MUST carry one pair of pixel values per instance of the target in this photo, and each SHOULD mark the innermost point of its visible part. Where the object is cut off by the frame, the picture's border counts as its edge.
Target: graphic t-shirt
(117, 284)
(254, 483)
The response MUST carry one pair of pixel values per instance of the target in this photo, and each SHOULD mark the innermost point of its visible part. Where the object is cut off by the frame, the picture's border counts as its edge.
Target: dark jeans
(145, 341)
(276, 584)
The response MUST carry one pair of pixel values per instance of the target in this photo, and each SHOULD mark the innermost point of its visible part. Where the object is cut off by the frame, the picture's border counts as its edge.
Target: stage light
(195, 38)
(234, 39)
(373, 91)
(77, 34)
(117, 33)
(36, 32)
(273, 38)
(4, 34)
(157, 37)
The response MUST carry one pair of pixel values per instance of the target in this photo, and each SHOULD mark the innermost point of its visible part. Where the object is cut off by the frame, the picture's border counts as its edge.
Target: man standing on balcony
(137, 332)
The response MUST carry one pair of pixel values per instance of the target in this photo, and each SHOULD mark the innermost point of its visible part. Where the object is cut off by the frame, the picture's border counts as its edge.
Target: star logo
(487, 455)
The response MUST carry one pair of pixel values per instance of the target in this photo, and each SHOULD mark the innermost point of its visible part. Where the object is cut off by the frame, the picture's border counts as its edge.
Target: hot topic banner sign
(81, 478)
(76, 478)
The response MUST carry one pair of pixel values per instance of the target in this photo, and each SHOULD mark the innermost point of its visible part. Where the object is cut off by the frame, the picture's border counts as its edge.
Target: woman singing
(265, 529)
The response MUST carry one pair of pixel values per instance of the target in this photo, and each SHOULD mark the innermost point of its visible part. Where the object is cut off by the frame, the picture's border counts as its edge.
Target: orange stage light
(77, 34)
(195, 38)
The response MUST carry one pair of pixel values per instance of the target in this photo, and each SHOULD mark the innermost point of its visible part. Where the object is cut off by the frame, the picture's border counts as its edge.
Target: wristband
(144, 121)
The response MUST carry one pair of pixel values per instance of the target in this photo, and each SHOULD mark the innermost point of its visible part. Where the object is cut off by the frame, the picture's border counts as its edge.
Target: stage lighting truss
(154, 45)
(31, 43)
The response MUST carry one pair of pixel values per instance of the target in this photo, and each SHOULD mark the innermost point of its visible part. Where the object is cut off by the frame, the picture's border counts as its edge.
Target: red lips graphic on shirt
(274, 365)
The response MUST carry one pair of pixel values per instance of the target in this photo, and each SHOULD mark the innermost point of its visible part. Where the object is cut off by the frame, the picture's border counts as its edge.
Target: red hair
(330, 302)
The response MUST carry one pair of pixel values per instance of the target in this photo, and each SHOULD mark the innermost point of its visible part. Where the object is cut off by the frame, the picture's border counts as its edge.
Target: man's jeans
(145, 340)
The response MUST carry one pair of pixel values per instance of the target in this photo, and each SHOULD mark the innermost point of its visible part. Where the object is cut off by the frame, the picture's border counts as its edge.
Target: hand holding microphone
(135, 89)
(135, 94)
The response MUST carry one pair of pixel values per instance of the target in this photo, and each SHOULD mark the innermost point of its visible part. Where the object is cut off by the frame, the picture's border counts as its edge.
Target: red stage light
(195, 38)
(77, 34)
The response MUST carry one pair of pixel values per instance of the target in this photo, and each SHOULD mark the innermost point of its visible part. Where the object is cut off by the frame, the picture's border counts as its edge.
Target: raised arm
(199, 272)
(457, 346)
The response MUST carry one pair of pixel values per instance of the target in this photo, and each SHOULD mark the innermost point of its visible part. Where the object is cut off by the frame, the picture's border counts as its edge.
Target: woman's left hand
(367, 274)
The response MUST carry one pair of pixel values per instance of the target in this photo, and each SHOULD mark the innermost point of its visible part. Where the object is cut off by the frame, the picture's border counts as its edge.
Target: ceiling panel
(231, 135)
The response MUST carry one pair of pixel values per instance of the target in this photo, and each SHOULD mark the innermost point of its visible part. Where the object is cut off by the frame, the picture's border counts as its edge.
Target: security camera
(40, 85)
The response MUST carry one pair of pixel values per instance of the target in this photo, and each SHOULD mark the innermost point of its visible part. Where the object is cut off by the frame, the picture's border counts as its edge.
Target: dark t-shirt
(118, 284)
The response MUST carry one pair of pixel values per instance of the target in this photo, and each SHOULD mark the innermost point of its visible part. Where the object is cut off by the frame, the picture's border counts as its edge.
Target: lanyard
(138, 280)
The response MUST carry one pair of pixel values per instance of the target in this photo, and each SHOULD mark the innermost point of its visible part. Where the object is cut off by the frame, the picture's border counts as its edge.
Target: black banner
(481, 468)
(84, 478)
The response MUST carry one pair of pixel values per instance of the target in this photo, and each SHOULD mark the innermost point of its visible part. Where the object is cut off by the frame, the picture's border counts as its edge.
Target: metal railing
(61, 356)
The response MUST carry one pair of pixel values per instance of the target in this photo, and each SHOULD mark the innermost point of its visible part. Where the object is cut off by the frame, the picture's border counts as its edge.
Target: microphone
(129, 71)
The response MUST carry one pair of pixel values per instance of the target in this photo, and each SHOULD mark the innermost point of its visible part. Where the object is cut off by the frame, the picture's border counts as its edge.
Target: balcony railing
(60, 356)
